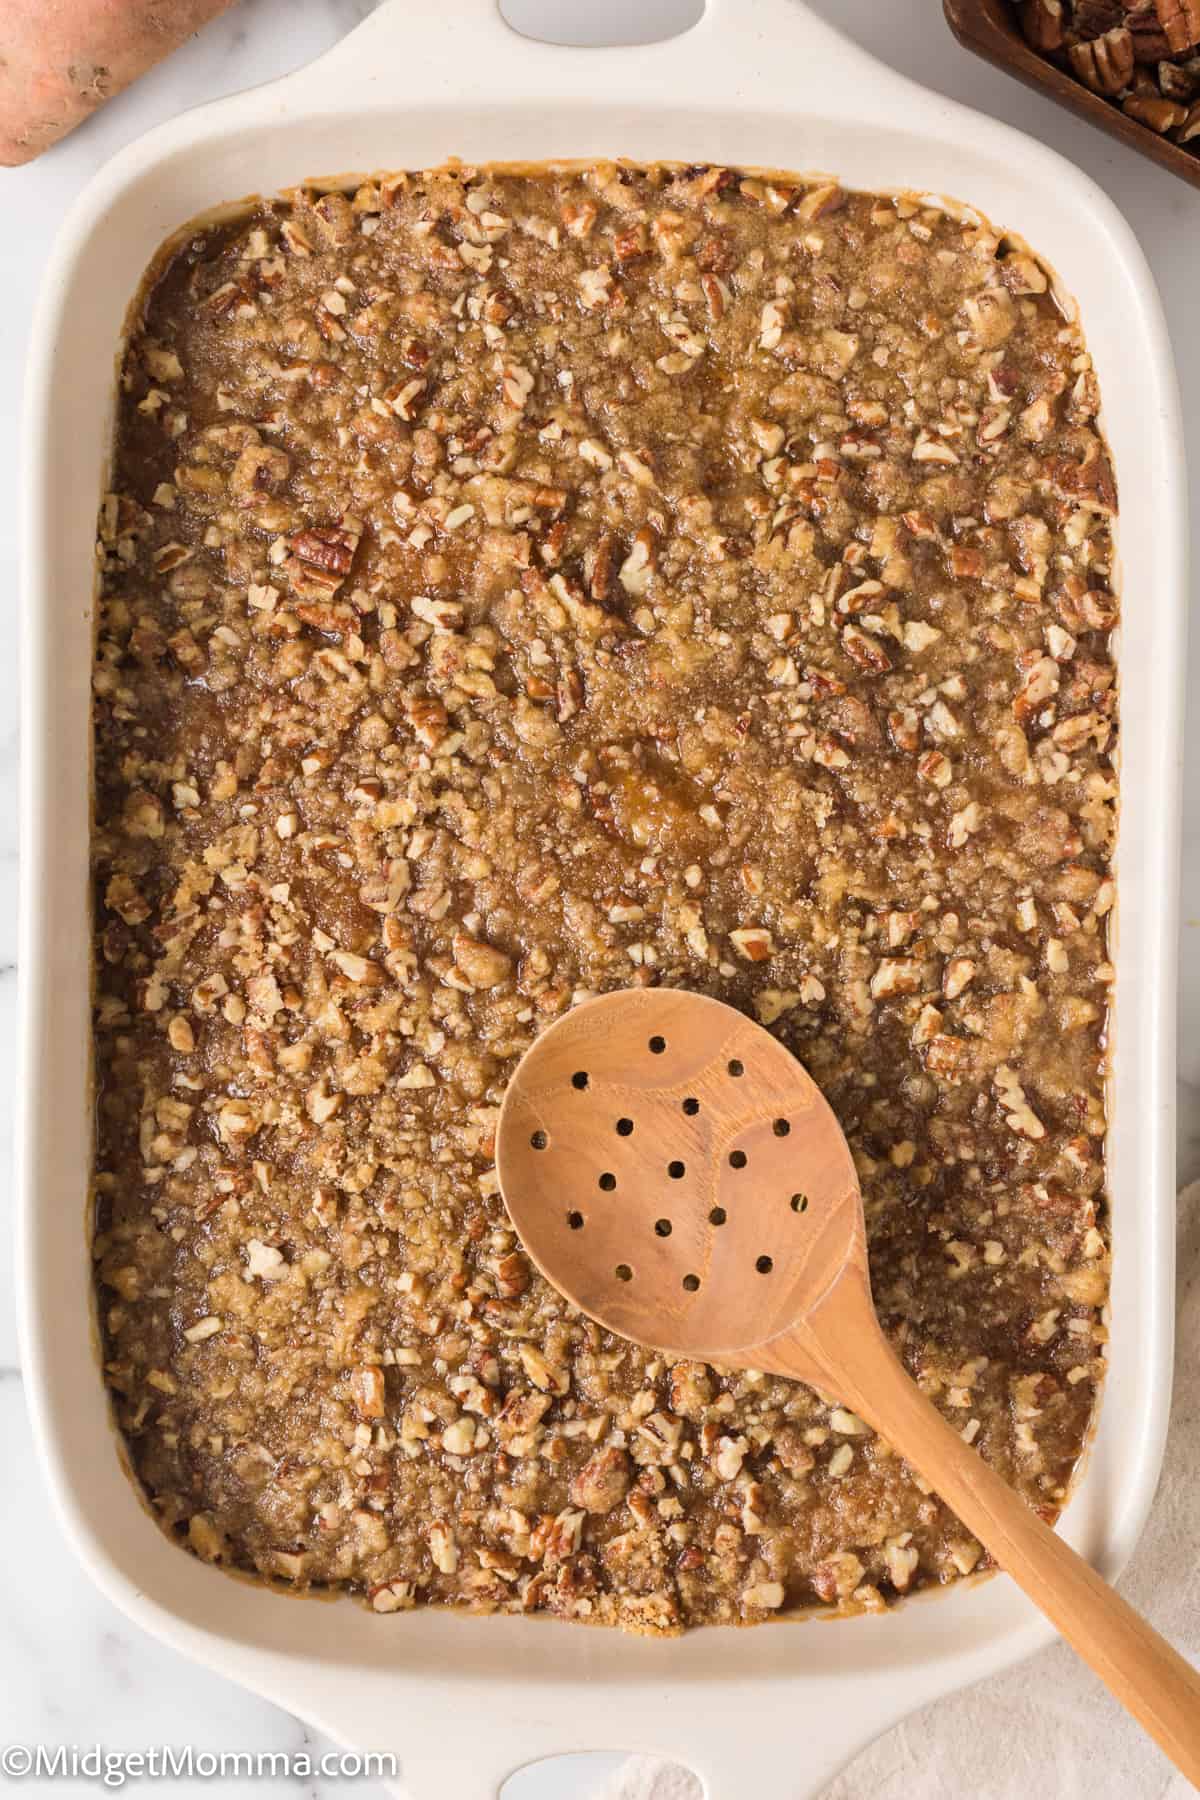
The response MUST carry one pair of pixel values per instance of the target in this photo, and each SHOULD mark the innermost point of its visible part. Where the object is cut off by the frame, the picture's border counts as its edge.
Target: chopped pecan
(603, 1481)
(1190, 128)
(482, 964)
(1042, 23)
(366, 1384)
(1180, 21)
(512, 1275)
(948, 1057)
(317, 560)
(1153, 111)
(1150, 41)
(1105, 64)
(1176, 82)
(1088, 481)
(1092, 18)
(866, 651)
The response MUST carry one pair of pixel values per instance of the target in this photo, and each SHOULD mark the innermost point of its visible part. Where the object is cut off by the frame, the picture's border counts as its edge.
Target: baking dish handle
(777, 1771)
(460, 45)
(782, 1738)
(794, 1760)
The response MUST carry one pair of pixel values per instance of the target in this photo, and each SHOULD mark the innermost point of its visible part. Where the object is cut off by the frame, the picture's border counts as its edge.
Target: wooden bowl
(990, 28)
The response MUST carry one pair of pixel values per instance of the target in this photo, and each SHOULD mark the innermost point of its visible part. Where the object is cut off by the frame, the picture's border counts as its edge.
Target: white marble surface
(71, 1669)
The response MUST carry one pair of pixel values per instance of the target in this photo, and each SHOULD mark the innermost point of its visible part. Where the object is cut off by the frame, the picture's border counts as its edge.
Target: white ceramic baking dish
(463, 1702)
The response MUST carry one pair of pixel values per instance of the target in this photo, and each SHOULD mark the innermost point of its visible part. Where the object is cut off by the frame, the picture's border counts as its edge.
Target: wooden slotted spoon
(677, 1175)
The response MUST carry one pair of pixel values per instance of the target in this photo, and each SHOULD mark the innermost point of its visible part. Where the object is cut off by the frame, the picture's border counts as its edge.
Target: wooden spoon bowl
(679, 1177)
(676, 1173)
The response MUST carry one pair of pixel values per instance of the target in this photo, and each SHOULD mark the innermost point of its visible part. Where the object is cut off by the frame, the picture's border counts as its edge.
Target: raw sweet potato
(61, 59)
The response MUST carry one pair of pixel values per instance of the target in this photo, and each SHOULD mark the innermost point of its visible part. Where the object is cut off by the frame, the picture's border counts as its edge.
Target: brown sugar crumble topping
(522, 585)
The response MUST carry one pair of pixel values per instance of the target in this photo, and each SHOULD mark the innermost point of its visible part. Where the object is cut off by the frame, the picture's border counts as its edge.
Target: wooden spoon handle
(1139, 1667)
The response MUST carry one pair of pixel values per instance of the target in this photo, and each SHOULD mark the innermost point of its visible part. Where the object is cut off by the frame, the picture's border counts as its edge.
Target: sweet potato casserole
(521, 585)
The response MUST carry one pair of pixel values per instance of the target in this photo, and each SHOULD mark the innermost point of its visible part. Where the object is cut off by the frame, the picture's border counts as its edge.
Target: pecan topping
(471, 642)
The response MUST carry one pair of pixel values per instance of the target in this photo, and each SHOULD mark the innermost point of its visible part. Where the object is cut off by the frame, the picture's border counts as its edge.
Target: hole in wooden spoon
(662, 1227)
(764, 1265)
(657, 1045)
(575, 1221)
(539, 1140)
(607, 1182)
(624, 1127)
(717, 1216)
(579, 1079)
(800, 1203)
(691, 1283)
(623, 1272)
(736, 1067)
(737, 1159)
(691, 1106)
(781, 1128)
(676, 1170)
